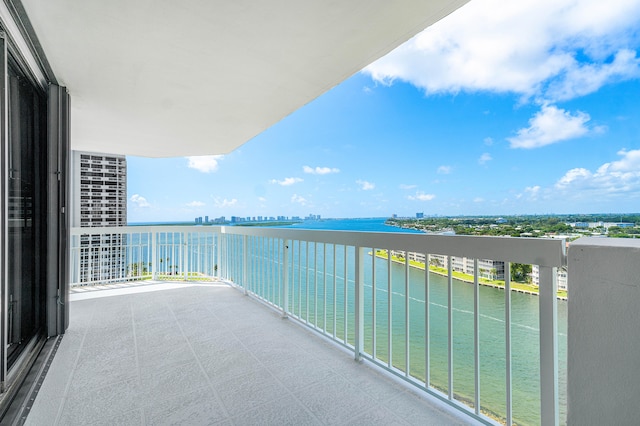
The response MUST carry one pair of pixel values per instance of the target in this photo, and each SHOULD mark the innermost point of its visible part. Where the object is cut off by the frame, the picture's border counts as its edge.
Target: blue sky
(526, 107)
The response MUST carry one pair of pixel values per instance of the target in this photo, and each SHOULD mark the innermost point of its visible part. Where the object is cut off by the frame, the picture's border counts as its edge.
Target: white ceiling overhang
(162, 78)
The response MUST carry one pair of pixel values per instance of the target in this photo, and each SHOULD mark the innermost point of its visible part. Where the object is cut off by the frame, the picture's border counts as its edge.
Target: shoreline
(464, 280)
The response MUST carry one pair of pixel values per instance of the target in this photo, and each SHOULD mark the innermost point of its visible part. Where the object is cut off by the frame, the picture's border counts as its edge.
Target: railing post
(154, 255)
(476, 335)
(285, 283)
(359, 304)
(185, 256)
(218, 265)
(450, 325)
(245, 252)
(549, 412)
(407, 318)
(507, 343)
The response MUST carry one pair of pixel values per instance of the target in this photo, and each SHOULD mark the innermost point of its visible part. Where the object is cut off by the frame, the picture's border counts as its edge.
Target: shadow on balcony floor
(206, 354)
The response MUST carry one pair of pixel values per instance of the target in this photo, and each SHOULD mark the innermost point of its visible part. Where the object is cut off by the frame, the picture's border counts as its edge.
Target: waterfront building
(561, 277)
(487, 268)
(99, 190)
(99, 199)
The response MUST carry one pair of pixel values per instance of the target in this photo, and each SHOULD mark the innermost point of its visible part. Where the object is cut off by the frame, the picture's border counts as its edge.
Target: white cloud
(551, 125)
(365, 186)
(195, 204)
(403, 186)
(139, 201)
(478, 200)
(298, 199)
(262, 199)
(225, 203)
(421, 196)
(610, 180)
(444, 170)
(532, 192)
(320, 170)
(572, 176)
(485, 158)
(589, 78)
(286, 181)
(488, 141)
(204, 164)
(543, 49)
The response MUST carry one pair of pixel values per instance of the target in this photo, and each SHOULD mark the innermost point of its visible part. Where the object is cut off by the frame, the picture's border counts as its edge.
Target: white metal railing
(400, 318)
(116, 254)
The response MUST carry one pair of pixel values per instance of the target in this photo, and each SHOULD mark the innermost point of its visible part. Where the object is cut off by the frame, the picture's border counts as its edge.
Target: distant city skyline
(203, 220)
(525, 109)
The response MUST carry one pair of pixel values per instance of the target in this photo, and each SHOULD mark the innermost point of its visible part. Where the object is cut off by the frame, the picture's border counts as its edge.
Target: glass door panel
(26, 204)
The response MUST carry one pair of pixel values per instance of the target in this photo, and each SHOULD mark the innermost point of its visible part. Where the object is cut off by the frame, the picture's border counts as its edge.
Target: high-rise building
(99, 194)
(99, 190)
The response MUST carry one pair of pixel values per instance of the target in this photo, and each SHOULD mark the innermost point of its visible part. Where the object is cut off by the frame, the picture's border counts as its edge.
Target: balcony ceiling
(162, 78)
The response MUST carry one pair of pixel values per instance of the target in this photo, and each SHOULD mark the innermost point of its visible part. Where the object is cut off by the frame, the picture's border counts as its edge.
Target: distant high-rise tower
(99, 194)
(99, 190)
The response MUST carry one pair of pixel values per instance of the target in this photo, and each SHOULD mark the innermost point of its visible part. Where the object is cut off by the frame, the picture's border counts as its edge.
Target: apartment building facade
(99, 199)
(487, 268)
(561, 277)
(99, 189)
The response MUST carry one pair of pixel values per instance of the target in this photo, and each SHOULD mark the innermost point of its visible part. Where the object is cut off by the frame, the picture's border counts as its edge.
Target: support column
(603, 353)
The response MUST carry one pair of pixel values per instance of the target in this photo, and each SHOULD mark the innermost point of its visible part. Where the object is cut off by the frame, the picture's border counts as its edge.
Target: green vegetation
(524, 285)
(521, 272)
(617, 232)
(138, 269)
(167, 272)
(191, 276)
(524, 226)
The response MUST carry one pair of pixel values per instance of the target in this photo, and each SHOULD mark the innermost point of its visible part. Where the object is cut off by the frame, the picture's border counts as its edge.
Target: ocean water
(363, 224)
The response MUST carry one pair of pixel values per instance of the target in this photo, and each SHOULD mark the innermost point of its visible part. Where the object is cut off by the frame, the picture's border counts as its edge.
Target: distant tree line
(516, 226)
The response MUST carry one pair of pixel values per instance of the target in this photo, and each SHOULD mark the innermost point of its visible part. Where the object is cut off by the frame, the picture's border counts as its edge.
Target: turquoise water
(365, 224)
(320, 288)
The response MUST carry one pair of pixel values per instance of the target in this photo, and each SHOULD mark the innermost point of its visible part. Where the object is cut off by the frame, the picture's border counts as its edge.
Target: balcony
(196, 354)
(461, 343)
(212, 346)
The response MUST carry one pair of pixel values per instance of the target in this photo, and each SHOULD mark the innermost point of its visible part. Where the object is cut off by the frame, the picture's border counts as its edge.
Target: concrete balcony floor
(206, 354)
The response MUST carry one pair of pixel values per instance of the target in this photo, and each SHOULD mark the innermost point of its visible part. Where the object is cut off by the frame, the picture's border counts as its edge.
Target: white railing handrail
(548, 252)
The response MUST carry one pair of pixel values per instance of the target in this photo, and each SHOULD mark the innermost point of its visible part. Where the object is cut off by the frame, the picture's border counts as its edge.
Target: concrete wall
(604, 332)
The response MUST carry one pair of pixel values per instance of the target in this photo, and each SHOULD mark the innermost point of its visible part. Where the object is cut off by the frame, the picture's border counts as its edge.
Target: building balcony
(198, 354)
(212, 347)
(460, 343)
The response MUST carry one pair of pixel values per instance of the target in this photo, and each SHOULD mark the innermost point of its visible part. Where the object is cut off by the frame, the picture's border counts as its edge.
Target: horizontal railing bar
(536, 251)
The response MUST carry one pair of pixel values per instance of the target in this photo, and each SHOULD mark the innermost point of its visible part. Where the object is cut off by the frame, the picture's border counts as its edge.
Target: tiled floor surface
(207, 354)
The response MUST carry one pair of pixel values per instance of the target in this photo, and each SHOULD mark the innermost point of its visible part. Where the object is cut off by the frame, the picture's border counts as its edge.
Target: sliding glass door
(26, 239)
